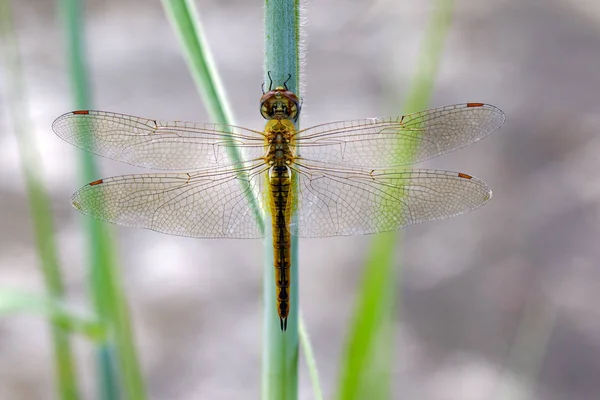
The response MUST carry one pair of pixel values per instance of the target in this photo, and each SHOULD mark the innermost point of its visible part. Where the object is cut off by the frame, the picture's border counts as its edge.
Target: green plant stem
(17, 302)
(280, 350)
(366, 366)
(311, 362)
(39, 202)
(185, 20)
(367, 362)
(106, 287)
(432, 47)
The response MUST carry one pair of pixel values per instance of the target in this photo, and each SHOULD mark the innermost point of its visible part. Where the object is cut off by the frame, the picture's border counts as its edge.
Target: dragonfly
(334, 179)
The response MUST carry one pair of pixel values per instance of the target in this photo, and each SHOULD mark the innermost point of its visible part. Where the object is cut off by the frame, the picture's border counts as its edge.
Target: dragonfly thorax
(279, 135)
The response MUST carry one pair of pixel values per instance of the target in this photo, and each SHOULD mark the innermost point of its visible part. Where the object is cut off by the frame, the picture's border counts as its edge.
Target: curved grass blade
(311, 362)
(186, 22)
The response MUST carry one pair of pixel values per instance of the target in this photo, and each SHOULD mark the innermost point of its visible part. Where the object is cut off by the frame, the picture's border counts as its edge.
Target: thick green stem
(280, 349)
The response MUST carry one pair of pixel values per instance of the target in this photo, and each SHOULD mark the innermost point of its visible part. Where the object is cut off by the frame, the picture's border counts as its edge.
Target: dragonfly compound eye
(280, 104)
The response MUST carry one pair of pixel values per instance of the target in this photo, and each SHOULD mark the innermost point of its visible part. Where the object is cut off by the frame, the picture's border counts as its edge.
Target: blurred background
(470, 285)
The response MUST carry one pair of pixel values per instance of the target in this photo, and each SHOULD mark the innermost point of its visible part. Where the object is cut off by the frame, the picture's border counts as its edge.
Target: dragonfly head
(280, 104)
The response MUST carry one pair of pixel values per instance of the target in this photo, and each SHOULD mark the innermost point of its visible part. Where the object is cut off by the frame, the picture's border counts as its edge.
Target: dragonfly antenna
(270, 80)
(286, 81)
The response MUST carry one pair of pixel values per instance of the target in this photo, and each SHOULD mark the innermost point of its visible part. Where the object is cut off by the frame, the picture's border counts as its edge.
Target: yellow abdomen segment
(281, 211)
(280, 156)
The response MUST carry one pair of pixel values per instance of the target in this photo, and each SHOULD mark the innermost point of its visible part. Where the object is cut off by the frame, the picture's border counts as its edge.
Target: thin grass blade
(367, 362)
(39, 202)
(105, 282)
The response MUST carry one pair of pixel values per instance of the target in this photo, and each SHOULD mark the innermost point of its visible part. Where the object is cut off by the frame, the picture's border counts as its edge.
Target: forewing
(203, 205)
(337, 203)
(157, 144)
(392, 142)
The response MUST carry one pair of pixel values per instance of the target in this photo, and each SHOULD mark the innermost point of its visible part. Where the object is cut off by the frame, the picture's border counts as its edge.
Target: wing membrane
(352, 202)
(337, 193)
(392, 142)
(208, 205)
(157, 144)
(330, 202)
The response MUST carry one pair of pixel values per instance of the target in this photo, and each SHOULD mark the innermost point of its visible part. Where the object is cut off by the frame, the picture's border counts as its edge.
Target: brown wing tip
(81, 112)
(98, 182)
(475, 105)
(488, 194)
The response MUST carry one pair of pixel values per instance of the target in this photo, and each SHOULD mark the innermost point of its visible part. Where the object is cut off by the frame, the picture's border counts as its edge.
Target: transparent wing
(352, 202)
(157, 144)
(208, 205)
(392, 142)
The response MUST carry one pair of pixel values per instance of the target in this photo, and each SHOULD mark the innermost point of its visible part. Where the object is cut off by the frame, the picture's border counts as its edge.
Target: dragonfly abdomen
(280, 199)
